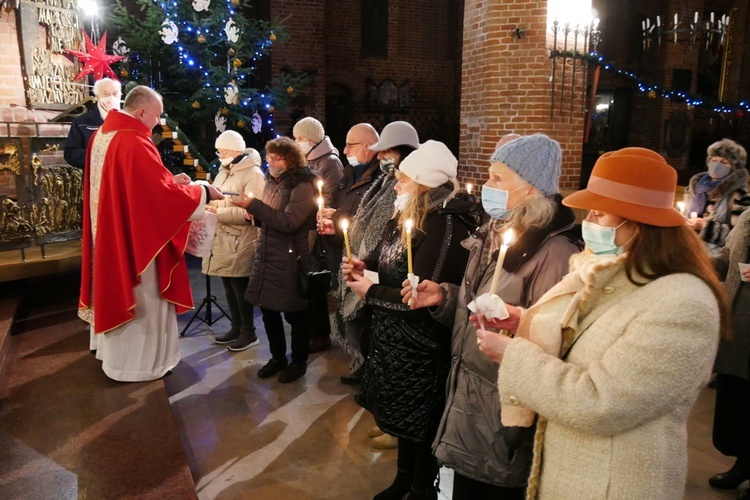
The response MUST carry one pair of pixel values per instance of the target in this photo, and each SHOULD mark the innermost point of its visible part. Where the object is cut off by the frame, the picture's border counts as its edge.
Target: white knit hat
(309, 128)
(431, 165)
(396, 134)
(230, 140)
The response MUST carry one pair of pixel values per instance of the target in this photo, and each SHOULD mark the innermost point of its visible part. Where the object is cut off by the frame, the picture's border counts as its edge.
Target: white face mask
(353, 160)
(718, 170)
(305, 146)
(109, 103)
(601, 239)
(401, 200)
(226, 161)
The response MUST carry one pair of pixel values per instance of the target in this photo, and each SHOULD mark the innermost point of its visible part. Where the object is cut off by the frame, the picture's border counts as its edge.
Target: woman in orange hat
(613, 357)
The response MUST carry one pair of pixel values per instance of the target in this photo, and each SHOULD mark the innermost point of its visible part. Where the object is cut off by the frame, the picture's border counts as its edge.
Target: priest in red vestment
(134, 278)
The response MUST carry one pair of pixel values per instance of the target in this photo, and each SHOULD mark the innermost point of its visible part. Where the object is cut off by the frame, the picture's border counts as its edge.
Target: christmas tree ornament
(220, 122)
(651, 94)
(201, 39)
(257, 123)
(272, 37)
(224, 111)
(240, 123)
(196, 105)
(290, 90)
(120, 49)
(96, 61)
(237, 63)
(270, 109)
(231, 52)
(236, 2)
(124, 73)
(232, 31)
(201, 5)
(169, 32)
(231, 93)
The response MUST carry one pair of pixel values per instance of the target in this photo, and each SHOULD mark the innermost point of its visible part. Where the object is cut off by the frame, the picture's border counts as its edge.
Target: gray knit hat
(394, 134)
(536, 158)
(309, 128)
(729, 150)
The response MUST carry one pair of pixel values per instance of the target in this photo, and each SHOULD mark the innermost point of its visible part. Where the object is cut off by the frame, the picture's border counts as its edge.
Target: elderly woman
(233, 248)
(613, 357)
(409, 356)
(285, 214)
(719, 196)
(732, 415)
(521, 193)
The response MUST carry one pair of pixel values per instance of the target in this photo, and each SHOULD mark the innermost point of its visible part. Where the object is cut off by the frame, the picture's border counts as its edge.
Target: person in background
(285, 213)
(233, 248)
(134, 278)
(613, 357)
(521, 194)
(409, 357)
(718, 196)
(731, 432)
(323, 160)
(108, 93)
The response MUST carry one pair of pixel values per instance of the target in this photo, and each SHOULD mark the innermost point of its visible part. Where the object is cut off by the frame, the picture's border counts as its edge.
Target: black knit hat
(729, 150)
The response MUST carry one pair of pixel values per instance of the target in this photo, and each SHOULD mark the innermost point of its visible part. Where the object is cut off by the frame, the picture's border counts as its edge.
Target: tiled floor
(64, 425)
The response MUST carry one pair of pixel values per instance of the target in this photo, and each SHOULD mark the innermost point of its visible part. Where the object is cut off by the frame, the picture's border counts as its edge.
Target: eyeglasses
(352, 144)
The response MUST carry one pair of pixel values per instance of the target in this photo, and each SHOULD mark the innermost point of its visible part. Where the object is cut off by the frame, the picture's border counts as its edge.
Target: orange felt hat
(634, 183)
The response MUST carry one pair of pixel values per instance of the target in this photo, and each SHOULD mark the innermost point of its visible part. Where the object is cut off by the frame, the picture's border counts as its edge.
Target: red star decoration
(96, 61)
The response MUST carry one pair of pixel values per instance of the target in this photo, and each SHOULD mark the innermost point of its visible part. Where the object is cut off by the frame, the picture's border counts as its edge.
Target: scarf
(700, 200)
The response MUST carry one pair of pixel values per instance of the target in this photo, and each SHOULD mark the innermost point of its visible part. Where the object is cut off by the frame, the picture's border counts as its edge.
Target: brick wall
(506, 86)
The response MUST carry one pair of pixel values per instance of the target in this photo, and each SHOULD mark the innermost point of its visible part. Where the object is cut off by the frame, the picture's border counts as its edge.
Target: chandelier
(685, 29)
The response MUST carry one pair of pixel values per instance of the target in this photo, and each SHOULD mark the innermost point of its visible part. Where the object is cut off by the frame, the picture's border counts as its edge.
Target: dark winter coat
(324, 161)
(470, 438)
(286, 215)
(409, 356)
(81, 130)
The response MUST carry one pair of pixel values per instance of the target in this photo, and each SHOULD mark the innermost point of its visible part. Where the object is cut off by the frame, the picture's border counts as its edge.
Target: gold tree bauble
(270, 109)
(240, 123)
(272, 37)
(237, 63)
(231, 52)
(290, 90)
(196, 105)
(124, 73)
(201, 39)
(236, 2)
(651, 94)
(224, 111)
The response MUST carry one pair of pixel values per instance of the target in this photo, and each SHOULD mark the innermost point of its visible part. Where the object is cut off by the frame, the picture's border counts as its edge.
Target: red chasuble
(142, 218)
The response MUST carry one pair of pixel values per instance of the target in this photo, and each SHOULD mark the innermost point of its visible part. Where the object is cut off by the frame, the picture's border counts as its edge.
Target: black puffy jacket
(409, 357)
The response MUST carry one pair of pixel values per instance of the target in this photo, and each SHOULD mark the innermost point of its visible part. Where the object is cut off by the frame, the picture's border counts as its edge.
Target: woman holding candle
(409, 356)
(285, 214)
(613, 357)
(521, 195)
(718, 196)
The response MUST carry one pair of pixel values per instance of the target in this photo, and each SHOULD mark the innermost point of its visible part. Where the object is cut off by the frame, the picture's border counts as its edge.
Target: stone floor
(65, 429)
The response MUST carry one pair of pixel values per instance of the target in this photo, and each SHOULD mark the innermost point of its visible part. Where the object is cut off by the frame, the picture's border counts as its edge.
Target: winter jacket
(734, 355)
(286, 214)
(612, 416)
(81, 130)
(409, 356)
(324, 161)
(471, 439)
(233, 249)
(730, 197)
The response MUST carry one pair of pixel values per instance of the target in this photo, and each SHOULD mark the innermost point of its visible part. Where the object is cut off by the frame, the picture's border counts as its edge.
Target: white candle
(658, 21)
(469, 187)
(507, 238)
(693, 215)
(320, 188)
(643, 25)
(345, 228)
(712, 17)
(174, 135)
(695, 18)
(409, 225)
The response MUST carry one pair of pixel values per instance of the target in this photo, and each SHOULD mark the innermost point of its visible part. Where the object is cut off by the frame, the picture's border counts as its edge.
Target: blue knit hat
(536, 158)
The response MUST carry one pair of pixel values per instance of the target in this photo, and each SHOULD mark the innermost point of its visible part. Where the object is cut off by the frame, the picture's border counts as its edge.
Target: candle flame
(508, 237)
(409, 224)
(344, 224)
(469, 187)
(681, 206)
(320, 184)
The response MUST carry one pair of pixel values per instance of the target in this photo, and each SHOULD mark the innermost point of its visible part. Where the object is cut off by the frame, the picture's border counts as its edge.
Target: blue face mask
(718, 170)
(600, 239)
(495, 202)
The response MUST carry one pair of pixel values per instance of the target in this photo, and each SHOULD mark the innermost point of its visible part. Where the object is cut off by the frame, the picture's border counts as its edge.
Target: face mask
(600, 239)
(275, 171)
(387, 165)
(400, 202)
(717, 170)
(109, 103)
(226, 161)
(353, 161)
(305, 146)
(495, 202)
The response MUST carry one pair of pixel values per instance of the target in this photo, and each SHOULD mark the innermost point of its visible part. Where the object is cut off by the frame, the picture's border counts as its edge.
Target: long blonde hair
(418, 206)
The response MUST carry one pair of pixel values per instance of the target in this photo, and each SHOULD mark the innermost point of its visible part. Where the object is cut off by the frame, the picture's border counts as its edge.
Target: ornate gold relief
(12, 162)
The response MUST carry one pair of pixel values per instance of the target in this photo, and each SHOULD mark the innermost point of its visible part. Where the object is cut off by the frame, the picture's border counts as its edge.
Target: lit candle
(507, 238)
(409, 225)
(345, 228)
(320, 188)
(712, 17)
(695, 19)
(320, 207)
(681, 206)
(469, 187)
(658, 21)
(693, 215)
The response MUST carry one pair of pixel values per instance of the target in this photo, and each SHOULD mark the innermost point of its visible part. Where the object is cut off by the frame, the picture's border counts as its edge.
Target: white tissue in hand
(489, 305)
(414, 282)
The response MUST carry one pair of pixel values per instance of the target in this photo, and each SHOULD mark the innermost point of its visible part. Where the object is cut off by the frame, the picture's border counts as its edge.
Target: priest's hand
(242, 200)
(215, 192)
(429, 294)
(182, 178)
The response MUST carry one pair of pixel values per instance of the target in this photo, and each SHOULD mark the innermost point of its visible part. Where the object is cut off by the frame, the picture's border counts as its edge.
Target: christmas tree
(203, 58)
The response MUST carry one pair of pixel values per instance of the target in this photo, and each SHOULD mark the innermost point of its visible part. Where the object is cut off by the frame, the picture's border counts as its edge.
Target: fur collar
(736, 179)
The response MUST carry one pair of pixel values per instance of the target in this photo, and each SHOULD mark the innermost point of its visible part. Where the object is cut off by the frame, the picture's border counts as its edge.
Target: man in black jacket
(108, 93)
